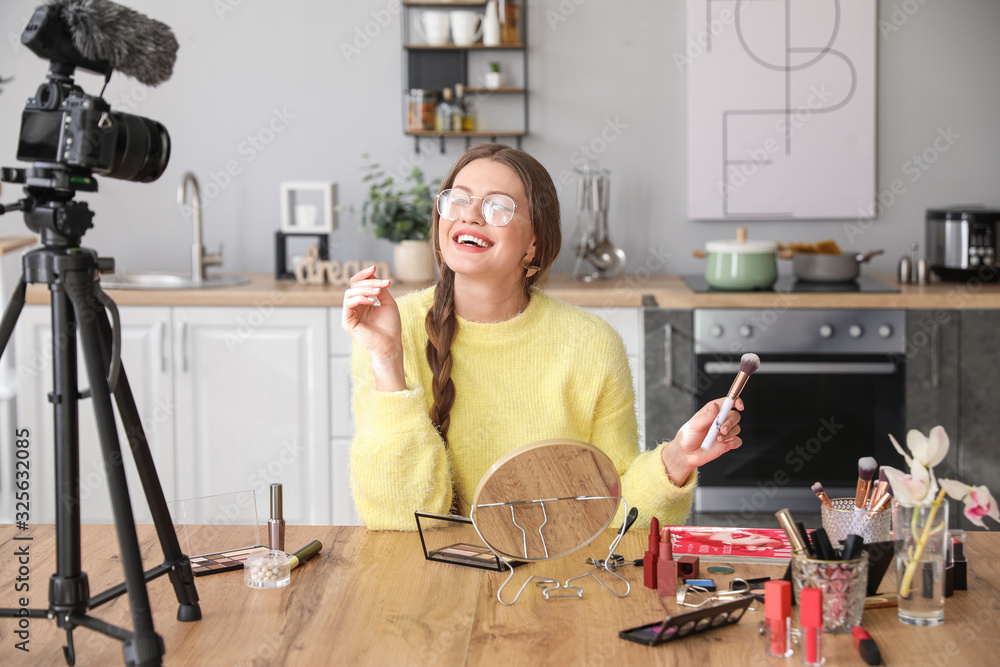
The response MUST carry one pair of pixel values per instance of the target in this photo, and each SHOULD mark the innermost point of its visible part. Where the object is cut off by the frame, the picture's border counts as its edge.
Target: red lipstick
(811, 620)
(778, 612)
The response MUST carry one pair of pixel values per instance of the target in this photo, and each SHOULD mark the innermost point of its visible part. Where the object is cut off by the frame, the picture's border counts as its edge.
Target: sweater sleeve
(398, 460)
(645, 483)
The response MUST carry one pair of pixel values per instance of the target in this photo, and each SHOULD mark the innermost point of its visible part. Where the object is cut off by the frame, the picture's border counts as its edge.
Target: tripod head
(49, 208)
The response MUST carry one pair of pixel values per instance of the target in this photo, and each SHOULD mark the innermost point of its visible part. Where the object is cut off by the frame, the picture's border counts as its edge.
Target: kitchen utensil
(584, 233)
(830, 268)
(740, 264)
(963, 242)
(904, 271)
(606, 257)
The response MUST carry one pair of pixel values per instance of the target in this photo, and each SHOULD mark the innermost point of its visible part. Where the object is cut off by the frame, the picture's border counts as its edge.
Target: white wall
(607, 63)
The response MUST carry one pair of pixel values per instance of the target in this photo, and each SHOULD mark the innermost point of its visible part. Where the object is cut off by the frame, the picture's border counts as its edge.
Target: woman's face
(496, 251)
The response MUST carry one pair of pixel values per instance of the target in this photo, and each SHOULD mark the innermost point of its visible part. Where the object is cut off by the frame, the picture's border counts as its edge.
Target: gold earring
(528, 269)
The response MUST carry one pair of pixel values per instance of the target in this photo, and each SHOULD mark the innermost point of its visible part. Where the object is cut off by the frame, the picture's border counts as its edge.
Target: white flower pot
(493, 79)
(413, 261)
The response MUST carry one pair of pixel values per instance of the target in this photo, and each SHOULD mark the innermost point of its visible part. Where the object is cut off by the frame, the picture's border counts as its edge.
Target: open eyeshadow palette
(444, 530)
(224, 561)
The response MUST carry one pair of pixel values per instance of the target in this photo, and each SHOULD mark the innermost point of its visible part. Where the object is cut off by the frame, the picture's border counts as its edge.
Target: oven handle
(807, 367)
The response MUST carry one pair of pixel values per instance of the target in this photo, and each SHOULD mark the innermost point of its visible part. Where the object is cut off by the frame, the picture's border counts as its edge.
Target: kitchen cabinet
(979, 419)
(342, 507)
(668, 364)
(628, 323)
(434, 68)
(145, 340)
(230, 399)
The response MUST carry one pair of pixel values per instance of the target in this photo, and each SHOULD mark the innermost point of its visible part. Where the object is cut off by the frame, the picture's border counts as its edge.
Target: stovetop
(787, 284)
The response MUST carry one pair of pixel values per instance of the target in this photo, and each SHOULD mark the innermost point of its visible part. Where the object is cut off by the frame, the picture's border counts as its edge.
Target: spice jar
(509, 22)
(415, 110)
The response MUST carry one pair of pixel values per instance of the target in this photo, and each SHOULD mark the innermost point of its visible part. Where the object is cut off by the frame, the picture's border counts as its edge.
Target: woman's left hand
(684, 453)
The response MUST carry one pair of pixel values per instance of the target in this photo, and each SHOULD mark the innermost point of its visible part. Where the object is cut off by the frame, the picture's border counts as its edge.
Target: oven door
(808, 418)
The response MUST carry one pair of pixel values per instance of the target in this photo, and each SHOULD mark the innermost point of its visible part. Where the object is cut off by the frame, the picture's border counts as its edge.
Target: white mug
(466, 27)
(433, 27)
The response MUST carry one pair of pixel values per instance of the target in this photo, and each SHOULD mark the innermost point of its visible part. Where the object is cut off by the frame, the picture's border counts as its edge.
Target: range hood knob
(855, 331)
(826, 331)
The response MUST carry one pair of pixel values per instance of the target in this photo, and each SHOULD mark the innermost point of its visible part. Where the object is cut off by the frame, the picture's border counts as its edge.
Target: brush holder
(844, 519)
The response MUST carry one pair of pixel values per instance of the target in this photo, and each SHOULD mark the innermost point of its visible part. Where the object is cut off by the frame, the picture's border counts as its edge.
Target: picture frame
(308, 207)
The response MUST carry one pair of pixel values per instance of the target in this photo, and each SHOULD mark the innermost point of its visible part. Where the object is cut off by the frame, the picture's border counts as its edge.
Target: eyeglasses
(497, 209)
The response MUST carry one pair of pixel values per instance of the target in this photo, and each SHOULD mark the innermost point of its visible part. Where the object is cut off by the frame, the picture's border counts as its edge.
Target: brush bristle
(749, 363)
(882, 477)
(866, 468)
(817, 488)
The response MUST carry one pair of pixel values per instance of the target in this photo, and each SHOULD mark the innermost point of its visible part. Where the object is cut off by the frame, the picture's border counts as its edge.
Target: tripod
(78, 306)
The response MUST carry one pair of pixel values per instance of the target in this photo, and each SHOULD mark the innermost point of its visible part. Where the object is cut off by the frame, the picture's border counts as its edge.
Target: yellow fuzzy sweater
(553, 371)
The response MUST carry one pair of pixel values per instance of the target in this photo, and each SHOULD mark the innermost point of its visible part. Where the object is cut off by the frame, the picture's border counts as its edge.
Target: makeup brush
(882, 502)
(866, 470)
(878, 489)
(749, 363)
(817, 488)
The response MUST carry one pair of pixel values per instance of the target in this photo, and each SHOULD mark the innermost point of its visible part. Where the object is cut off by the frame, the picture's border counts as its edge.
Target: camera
(62, 125)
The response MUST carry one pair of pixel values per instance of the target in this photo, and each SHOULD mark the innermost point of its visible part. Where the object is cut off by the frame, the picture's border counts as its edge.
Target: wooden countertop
(370, 598)
(12, 243)
(632, 291)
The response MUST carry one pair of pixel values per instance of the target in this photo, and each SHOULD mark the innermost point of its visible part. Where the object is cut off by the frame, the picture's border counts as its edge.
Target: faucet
(200, 260)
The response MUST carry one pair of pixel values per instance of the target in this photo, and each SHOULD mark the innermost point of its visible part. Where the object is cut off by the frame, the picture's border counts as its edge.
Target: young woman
(449, 379)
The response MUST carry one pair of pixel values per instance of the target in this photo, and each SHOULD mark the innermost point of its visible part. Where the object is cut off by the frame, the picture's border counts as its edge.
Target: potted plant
(401, 213)
(494, 77)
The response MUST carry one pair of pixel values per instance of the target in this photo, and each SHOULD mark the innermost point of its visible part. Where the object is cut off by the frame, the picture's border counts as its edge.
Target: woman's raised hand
(371, 316)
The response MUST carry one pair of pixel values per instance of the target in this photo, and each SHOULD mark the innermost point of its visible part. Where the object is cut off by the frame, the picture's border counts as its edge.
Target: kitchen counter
(632, 291)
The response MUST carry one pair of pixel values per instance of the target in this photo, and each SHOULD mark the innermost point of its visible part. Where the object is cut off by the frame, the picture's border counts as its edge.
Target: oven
(830, 388)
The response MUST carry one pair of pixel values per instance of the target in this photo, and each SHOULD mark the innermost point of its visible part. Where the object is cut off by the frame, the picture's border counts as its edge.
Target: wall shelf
(434, 68)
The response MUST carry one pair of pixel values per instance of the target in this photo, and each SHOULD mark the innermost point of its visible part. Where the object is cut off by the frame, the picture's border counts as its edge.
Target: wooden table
(371, 599)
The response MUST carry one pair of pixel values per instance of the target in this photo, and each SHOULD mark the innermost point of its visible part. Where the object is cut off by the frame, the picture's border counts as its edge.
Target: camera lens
(142, 149)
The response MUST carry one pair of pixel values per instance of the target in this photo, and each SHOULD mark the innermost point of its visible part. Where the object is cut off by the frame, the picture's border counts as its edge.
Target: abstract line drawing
(781, 109)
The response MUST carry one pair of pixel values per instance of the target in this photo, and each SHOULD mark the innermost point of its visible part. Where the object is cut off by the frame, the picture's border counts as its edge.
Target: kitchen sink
(167, 281)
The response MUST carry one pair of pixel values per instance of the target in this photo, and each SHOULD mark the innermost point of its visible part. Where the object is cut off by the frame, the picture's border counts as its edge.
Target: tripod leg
(180, 575)
(11, 313)
(145, 646)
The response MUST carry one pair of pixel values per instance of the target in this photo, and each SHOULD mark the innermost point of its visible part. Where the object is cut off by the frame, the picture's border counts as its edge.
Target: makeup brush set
(870, 498)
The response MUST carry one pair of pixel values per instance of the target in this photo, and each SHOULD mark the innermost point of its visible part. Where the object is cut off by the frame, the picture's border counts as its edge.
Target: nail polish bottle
(811, 620)
(778, 612)
(666, 567)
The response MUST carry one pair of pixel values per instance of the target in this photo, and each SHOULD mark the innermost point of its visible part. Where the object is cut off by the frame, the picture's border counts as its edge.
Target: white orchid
(927, 450)
(979, 502)
(916, 488)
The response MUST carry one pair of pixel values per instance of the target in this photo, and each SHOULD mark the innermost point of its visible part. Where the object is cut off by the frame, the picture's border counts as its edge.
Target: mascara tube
(276, 524)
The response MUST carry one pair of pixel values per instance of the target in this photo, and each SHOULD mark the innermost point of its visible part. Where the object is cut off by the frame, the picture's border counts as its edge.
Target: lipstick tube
(811, 620)
(778, 612)
(276, 524)
(666, 567)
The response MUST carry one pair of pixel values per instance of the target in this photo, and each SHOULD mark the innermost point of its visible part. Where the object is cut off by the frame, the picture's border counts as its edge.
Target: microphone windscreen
(132, 43)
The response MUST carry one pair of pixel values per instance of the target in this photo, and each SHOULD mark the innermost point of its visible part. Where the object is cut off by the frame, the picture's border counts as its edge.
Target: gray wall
(607, 62)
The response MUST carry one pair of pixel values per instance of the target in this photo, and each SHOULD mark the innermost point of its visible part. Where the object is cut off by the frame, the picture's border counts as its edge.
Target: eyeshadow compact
(691, 623)
(224, 561)
(449, 538)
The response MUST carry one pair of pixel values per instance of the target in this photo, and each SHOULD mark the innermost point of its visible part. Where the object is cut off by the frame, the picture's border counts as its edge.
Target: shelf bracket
(442, 144)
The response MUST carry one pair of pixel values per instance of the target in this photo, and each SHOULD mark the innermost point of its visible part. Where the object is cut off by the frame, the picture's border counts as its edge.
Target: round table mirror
(546, 499)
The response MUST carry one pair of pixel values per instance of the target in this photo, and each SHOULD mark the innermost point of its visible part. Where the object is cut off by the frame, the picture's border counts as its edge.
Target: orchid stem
(911, 567)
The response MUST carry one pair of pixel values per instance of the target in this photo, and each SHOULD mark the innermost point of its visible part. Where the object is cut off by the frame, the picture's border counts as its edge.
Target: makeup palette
(224, 561)
(444, 529)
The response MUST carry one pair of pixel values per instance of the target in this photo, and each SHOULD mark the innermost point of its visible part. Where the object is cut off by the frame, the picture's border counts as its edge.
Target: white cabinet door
(145, 358)
(252, 394)
(344, 512)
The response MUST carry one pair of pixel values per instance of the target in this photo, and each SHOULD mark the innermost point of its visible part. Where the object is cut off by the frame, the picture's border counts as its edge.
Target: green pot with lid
(741, 265)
